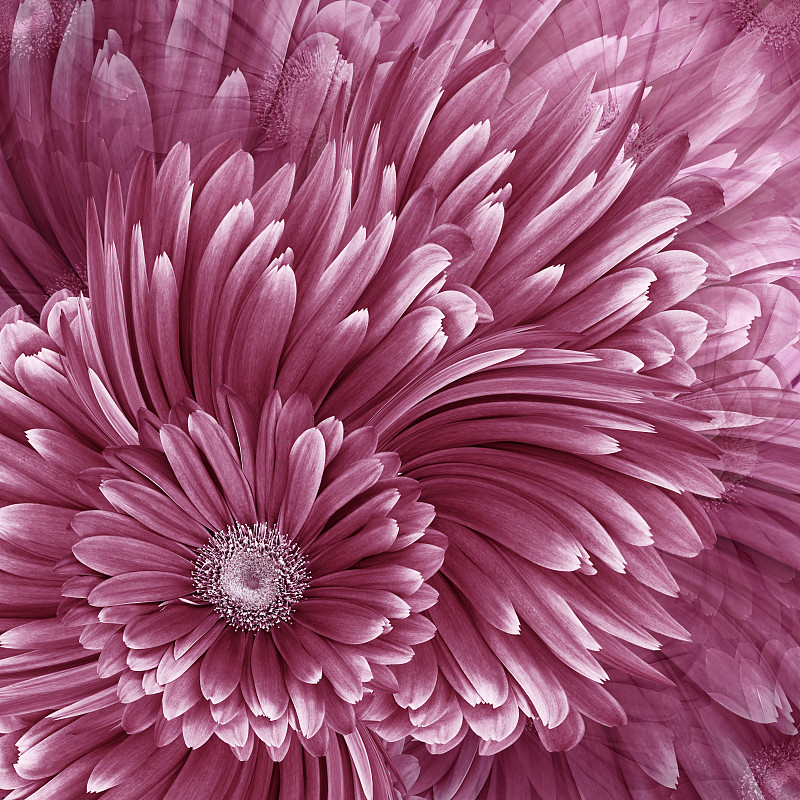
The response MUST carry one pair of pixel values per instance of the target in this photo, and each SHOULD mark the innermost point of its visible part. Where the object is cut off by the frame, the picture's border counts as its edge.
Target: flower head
(243, 571)
(401, 399)
(302, 419)
(777, 22)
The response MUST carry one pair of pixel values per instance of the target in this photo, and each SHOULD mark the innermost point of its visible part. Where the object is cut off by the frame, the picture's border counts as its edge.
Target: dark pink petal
(405, 341)
(255, 339)
(221, 667)
(191, 472)
(35, 634)
(154, 510)
(162, 626)
(505, 520)
(51, 755)
(306, 463)
(295, 417)
(141, 587)
(334, 496)
(308, 703)
(51, 690)
(341, 621)
(265, 670)
(347, 683)
(474, 657)
(40, 529)
(335, 353)
(164, 325)
(26, 477)
(376, 537)
(220, 454)
(401, 579)
(105, 554)
(295, 657)
(121, 762)
(198, 725)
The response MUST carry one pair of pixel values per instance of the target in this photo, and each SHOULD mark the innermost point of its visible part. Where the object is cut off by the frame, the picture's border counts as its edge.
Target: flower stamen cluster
(251, 576)
(778, 22)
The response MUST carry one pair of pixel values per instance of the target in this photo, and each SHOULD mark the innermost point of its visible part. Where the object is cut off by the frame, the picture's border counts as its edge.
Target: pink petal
(141, 587)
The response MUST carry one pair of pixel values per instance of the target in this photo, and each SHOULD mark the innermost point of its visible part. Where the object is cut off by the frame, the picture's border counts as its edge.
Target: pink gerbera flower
(250, 511)
(239, 572)
(416, 408)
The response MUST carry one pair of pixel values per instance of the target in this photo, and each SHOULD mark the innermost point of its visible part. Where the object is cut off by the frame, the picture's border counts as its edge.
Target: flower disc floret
(251, 575)
(778, 21)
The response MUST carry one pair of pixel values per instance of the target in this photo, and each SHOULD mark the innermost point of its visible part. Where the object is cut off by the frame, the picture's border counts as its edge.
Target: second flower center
(777, 20)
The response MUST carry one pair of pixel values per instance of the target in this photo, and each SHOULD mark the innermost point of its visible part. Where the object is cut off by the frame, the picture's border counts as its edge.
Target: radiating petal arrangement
(399, 399)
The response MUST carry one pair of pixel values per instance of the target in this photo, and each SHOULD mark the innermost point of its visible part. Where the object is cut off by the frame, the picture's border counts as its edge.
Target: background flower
(85, 88)
(722, 725)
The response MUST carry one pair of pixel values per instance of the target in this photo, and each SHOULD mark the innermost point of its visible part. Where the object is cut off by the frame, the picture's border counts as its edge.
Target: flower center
(251, 576)
(291, 99)
(777, 20)
(250, 579)
(774, 773)
(34, 26)
(642, 137)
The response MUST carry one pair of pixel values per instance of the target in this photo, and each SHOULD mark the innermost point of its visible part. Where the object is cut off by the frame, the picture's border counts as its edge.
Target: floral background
(399, 400)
